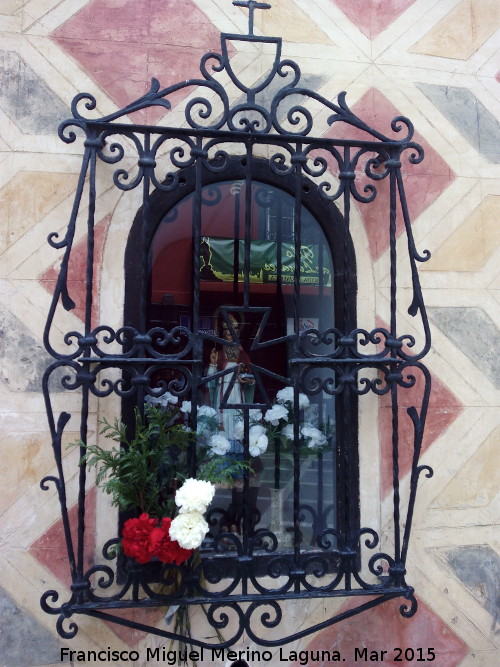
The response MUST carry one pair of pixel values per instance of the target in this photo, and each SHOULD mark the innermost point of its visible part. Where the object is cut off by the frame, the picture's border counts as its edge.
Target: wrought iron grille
(244, 580)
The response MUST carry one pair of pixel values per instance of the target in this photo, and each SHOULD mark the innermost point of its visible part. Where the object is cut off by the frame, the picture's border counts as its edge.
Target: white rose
(219, 444)
(188, 529)
(276, 413)
(195, 495)
(257, 441)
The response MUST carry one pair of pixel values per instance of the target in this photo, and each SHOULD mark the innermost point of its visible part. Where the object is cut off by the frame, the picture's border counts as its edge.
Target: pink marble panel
(443, 409)
(50, 548)
(423, 182)
(122, 45)
(77, 271)
(384, 629)
(373, 16)
(130, 636)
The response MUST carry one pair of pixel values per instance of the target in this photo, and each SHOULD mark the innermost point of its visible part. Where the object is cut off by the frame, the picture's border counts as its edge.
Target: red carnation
(167, 550)
(146, 537)
(137, 538)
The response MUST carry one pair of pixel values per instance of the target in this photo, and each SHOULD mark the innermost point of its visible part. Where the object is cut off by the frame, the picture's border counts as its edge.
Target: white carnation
(195, 495)
(238, 430)
(288, 431)
(203, 427)
(257, 442)
(276, 413)
(285, 396)
(186, 407)
(206, 411)
(303, 401)
(162, 400)
(188, 529)
(219, 444)
(255, 415)
(315, 438)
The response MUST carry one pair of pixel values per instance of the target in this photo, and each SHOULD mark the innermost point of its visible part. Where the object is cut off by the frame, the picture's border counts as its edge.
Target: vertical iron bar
(84, 415)
(246, 304)
(144, 268)
(62, 291)
(197, 346)
(246, 518)
(236, 263)
(393, 361)
(248, 223)
(346, 442)
(320, 524)
(279, 298)
(296, 313)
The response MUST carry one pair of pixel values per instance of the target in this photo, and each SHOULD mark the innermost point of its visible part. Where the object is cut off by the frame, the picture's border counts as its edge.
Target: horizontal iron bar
(138, 360)
(233, 136)
(231, 599)
(313, 361)
(374, 361)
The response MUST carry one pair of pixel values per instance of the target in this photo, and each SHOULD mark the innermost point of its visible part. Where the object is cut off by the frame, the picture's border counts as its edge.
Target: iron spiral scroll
(244, 585)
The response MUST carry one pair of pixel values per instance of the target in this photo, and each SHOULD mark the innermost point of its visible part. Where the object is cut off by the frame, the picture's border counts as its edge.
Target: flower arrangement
(277, 423)
(148, 472)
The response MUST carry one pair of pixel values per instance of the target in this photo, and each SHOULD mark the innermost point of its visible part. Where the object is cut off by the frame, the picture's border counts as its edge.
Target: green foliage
(140, 472)
(223, 470)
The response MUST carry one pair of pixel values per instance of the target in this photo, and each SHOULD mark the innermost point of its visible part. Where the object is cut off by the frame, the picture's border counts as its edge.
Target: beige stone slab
(402, 30)
(462, 31)
(10, 24)
(287, 20)
(480, 658)
(488, 59)
(27, 459)
(478, 481)
(433, 226)
(25, 580)
(456, 448)
(431, 584)
(342, 32)
(11, 6)
(473, 243)
(34, 10)
(14, 162)
(398, 54)
(28, 197)
(39, 22)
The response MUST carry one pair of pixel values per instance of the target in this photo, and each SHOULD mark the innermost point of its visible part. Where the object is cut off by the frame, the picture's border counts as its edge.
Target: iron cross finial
(252, 6)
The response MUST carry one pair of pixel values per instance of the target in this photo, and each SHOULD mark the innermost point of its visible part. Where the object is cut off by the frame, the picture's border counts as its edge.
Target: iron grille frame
(397, 360)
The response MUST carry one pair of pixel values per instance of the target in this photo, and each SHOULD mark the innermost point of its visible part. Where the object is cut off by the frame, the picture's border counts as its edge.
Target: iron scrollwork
(245, 583)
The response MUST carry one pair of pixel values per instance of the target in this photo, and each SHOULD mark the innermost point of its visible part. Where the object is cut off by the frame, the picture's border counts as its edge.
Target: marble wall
(435, 61)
